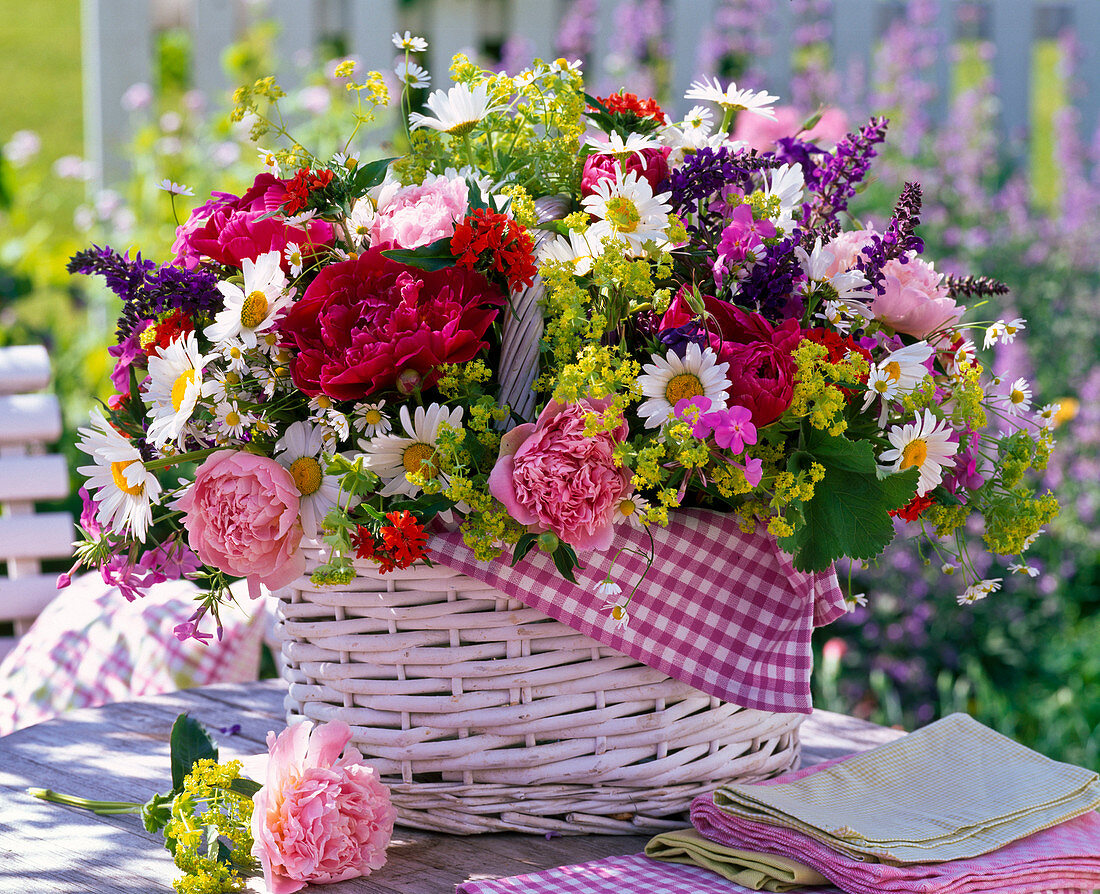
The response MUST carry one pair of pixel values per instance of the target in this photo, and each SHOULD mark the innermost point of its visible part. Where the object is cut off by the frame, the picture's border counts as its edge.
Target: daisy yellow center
(306, 472)
(914, 453)
(1017, 396)
(627, 507)
(681, 386)
(623, 213)
(179, 388)
(323, 402)
(118, 470)
(618, 613)
(372, 417)
(893, 371)
(415, 456)
(882, 386)
(232, 419)
(254, 309)
(462, 128)
(231, 378)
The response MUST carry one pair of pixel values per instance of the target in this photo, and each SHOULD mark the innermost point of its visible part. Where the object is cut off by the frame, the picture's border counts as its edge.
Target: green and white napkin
(952, 790)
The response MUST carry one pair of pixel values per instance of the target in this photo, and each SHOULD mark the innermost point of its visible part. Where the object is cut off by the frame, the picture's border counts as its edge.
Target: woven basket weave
(484, 715)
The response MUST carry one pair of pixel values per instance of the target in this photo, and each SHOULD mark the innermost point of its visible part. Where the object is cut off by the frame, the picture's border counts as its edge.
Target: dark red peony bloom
(488, 241)
(363, 322)
(228, 228)
(761, 368)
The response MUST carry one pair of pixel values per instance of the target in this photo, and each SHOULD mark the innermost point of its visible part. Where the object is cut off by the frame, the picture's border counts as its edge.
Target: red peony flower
(761, 368)
(362, 323)
(228, 229)
(488, 241)
(628, 102)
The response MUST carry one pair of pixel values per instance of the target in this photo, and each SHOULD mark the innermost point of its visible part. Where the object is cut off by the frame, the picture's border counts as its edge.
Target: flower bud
(548, 541)
(409, 382)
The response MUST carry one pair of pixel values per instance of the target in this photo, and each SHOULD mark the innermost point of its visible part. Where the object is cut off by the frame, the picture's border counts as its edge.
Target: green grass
(40, 71)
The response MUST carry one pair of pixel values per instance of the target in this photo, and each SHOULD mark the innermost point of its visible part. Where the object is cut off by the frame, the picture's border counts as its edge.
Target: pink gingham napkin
(633, 874)
(721, 610)
(1064, 858)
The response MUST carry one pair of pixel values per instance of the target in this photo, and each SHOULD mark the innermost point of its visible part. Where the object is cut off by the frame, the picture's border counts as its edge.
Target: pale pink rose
(554, 477)
(319, 817)
(411, 216)
(241, 516)
(846, 248)
(914, 300)
(761, 133)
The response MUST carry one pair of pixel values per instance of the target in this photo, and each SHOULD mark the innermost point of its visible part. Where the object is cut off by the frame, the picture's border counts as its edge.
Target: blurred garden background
(1022, 206)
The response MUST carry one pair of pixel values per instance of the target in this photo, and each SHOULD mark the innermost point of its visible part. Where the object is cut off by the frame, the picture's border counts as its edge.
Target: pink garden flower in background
(241, 516)
(411, 216)
(553, 476)
(761, 133)
(320, 817)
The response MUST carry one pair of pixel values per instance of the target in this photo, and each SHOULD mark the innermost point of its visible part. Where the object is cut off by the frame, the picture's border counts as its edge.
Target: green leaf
(849, 512)
(156, 812)
(523, 546)
(190, 743)
(370, 175)
(243, 786)
(565, 560)
(433, 256)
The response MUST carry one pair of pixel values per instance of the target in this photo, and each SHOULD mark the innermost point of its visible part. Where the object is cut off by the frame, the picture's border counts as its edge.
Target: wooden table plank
(120, 752)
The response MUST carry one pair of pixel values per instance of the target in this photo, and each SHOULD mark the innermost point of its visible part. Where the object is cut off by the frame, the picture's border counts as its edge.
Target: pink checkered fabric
(90, 646)
(721, 610)
(633, 874)
(1064, 859)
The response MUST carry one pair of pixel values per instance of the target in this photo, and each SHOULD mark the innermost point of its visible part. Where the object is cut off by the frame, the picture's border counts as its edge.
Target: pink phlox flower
(754, 470)
(732, 427)
(691, 409)
(741, 240)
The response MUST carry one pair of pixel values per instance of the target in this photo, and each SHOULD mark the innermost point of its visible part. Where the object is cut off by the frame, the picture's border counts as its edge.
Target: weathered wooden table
(120, 752)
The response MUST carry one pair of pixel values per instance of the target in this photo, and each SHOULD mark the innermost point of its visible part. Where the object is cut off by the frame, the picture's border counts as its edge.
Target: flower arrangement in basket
(569, 346)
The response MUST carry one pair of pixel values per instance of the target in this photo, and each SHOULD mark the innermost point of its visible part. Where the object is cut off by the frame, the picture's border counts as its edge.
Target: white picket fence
(120, 36)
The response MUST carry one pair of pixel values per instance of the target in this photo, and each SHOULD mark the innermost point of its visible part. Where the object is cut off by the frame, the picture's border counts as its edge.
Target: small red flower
(364, 543)
(159, 334)
(490, 242)
(301, 185)
(911, 510)
(405, 538)
(628, 102)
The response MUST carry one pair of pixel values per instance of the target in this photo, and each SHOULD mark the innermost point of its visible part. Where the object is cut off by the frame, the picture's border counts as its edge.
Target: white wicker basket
(484, 715)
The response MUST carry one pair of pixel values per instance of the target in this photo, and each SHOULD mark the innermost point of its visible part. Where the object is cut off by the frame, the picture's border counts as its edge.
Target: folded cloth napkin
(633, 874)
(757, 870)
(950, 791)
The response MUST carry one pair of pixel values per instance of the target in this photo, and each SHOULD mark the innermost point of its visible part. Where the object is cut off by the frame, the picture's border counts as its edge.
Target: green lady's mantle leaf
(849, 512)
(190, 743)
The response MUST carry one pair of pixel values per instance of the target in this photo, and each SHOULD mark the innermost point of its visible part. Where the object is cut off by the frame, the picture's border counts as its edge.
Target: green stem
(168, 461)
(103, 808)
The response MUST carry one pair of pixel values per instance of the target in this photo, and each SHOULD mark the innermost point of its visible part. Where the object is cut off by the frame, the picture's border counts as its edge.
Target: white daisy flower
(269, 160)
(979, 591)
(731, 98)
(785, 183)
(671, 378)
(619, 614)
(268, 344)
(615, 145)
(855, 600)
(336, 427)
(576, 248)
(409, 43)
(899, 372)
(698, 118)
(1030, 541)
(175, 189)
(964, 356)
(1018, 399)
(925, 444)
(607, 587)
(948, 569)
(1004, 332)
(293, 256)
(299, 451)
(1048, 415)
(233, 422)
(412, 75)
(301, 217)
(392, 457)
(627, 209)
(458, 110)
(1023, 568)
(370, 420)
(256, 307)
(124, 489)
(175, 386)
(632, 509)
(236, 360)
(360, 220)
(348, 160)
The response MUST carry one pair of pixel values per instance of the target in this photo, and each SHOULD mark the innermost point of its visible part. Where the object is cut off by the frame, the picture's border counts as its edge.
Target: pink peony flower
(228, 229)
(551, 475)
(914, 300)
(364, 323)
(242, 517)
(319, 817)
(651, 164)
(761, 368)
(418, 215)
(761, 133)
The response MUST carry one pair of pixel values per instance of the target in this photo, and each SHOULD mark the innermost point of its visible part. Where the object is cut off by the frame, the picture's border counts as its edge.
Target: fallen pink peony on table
(553, 476)
(319, 817)
(241, 515)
